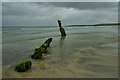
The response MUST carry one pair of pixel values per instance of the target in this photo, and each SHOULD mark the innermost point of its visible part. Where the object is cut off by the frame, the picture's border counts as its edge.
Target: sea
(85, 52)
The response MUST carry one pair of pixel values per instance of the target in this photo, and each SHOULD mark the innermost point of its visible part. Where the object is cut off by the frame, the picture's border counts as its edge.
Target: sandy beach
(86, 52)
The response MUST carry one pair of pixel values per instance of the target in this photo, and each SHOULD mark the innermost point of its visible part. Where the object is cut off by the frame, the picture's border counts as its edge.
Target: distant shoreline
(110, 24)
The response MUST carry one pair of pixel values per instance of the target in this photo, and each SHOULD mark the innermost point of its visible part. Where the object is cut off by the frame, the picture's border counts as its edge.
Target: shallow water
(86, 52)
(0, 52)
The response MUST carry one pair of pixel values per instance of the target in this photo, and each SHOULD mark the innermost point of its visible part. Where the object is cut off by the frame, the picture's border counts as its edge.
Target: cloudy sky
(46, 13)
(60, 0)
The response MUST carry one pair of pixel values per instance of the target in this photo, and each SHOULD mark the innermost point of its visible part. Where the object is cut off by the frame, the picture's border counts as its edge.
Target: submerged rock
(24, 66)
(38, 52)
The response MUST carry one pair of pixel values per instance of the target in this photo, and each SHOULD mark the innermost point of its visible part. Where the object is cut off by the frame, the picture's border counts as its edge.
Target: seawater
(86, 52)
(0, 52)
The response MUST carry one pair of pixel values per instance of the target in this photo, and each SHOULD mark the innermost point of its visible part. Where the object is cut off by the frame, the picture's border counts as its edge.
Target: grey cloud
(40, 14)
(60, 0)
(23, 8)
(82, 5)
(0, 14)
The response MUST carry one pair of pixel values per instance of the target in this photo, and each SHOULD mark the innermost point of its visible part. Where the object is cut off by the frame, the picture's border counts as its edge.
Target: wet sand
(87, 54)
(0, 52)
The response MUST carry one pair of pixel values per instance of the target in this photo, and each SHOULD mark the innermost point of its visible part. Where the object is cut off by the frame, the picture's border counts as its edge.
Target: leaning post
(62, 30)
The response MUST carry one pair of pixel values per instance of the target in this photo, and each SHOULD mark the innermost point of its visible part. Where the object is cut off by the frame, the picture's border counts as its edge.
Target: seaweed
(24, 66)
(38, 52)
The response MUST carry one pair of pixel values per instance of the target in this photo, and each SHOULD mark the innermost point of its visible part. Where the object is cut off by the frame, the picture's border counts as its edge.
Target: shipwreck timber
(62, 30)
(24, 66)
(38, 52)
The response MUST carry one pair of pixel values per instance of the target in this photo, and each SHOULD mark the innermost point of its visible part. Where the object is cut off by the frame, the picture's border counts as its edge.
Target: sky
(47, 13)
(60, 0)
(0, 15)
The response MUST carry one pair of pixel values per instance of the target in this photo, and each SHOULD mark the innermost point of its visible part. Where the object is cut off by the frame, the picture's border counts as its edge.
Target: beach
(86, 52)
(0, 60)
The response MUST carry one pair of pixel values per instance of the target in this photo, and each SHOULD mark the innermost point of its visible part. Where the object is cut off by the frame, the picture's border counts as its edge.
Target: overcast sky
(60, 0)
(47, 13)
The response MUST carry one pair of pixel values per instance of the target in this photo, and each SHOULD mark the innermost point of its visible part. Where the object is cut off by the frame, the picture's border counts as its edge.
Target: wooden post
(24, 66)
(38, 52)
(61, 29)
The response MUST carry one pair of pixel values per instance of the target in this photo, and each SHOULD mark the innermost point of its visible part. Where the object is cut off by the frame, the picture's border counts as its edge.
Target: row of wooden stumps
(26, 65)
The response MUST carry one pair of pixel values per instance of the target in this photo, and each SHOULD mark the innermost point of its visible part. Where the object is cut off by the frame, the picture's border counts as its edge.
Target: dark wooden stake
(62, 30)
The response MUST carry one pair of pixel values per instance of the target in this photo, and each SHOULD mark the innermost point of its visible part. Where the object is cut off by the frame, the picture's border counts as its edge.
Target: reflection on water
(84, 53)
(62, 38)
(61, 41)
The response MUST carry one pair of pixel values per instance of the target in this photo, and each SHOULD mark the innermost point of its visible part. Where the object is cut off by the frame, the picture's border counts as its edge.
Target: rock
(24, 66)
(38, 53)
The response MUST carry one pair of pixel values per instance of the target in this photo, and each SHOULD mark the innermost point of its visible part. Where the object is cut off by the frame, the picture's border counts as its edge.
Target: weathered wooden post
(38, 52)
(24, 66)
(61, 29)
